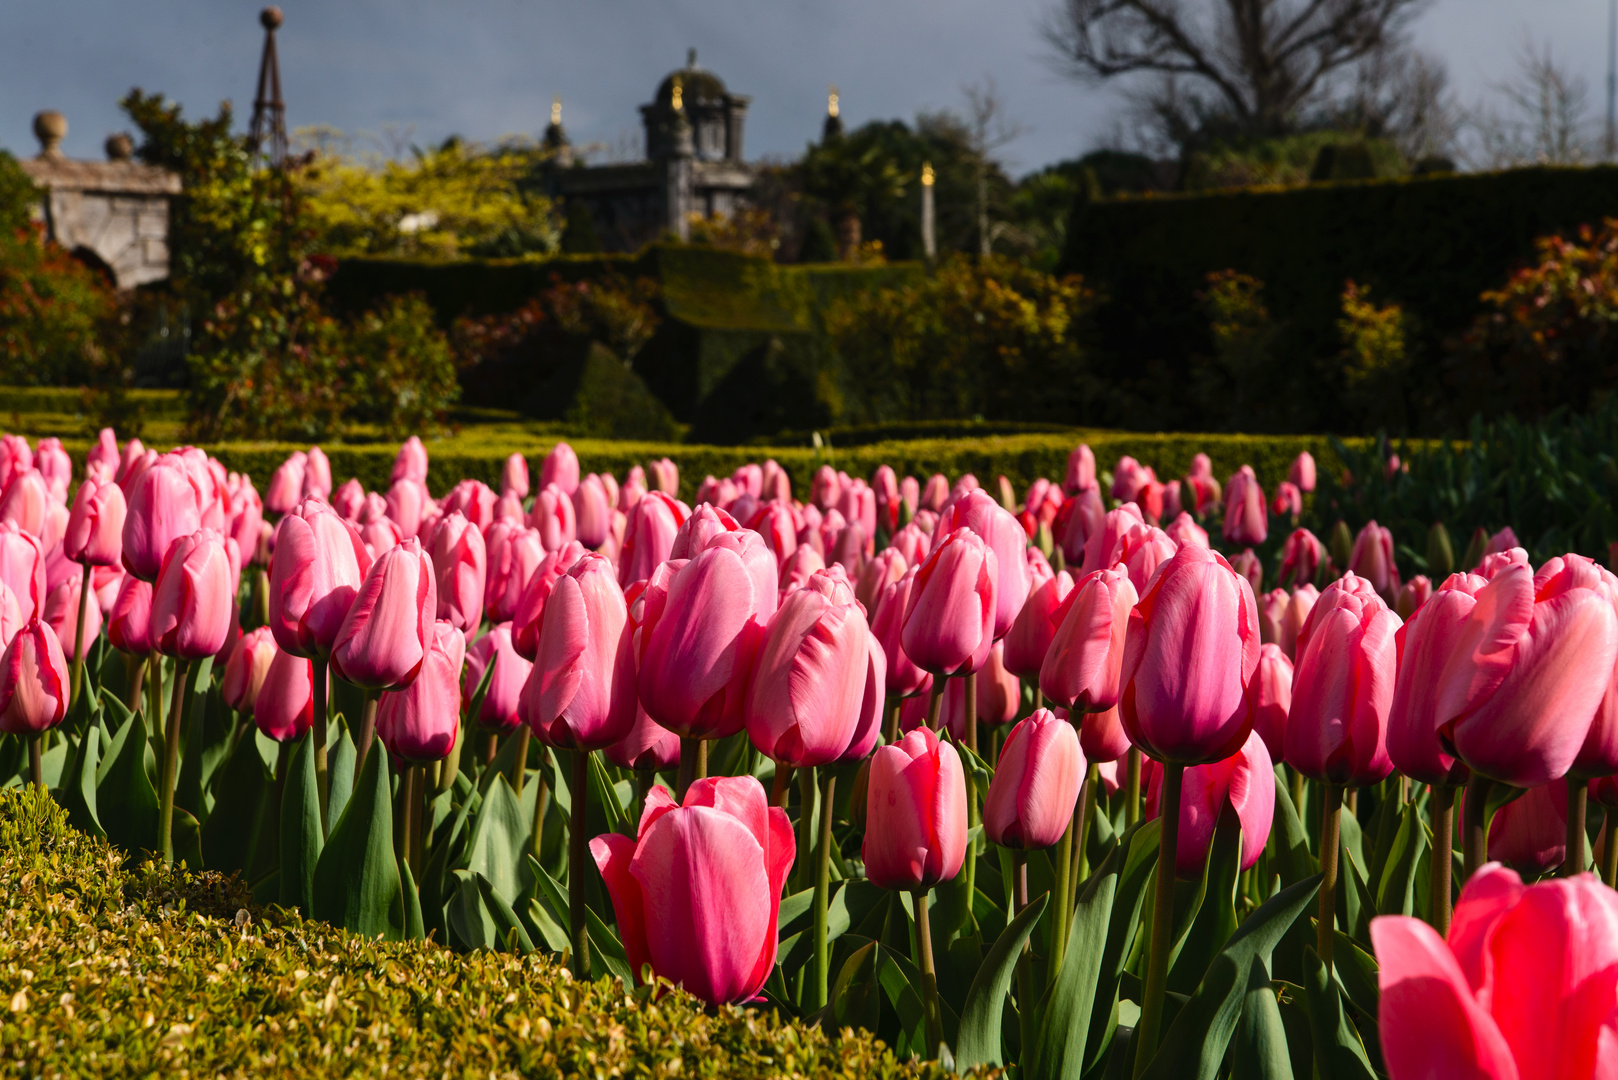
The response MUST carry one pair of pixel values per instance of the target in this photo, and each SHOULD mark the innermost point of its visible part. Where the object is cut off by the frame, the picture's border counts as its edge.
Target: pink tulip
(499, 711)
(885, 485)
(193, 598)
(132, 461)
(1183, 530)
(1521, 989)
(247, 668)
(1145, 548)
(1301, 558)
(647, 747)
(574, 699)
(104, 453)
(1288, 500)
(775, 523)
(1035, 629)
(697, 892)
(1272, 607)
(25, 501)
(411, 463)
(529, 613)
(129, 624)
(514, 553)
(1082, 669)
(807, 686)
(649, 536)
(1424, 646)
(886, 567)
(1105, 546)
(473, 499)
(286, 483)
(22, 568)
(317, 474)
(285, 706)
(420, 722)
(903, 677)
(1300, 603)
(406, 502)
(950, 619)
(1373, 560)
(1081, 470)
(1492, 564)
(665, 477)
(560, 467)
(62, 615)
(1504, 540)
(1302, 472)
(1528, 671)
(1189, 655)
(1271, 695)
(1342, 687)
(1243, 784)
(246, 521)
(33, 682)
(1412, 594)
(1245, 520)
(388, 629)
(1128, 478)
(998, 528)
(165, 504)
(95, 527)
(592, 512)
(705, 523)
(935, 493)
(1036, 783)
(915, 817)
(1529, 833)
(553, 516)
(514, 476)
(315, 574)
(1173, 505)
(460, 565)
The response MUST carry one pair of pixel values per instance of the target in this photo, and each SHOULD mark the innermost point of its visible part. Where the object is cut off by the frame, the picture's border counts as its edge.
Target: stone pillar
(929, 239)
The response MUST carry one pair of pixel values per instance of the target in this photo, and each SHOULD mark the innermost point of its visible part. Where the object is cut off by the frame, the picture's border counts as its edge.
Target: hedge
(117, 971)
(1431, 243)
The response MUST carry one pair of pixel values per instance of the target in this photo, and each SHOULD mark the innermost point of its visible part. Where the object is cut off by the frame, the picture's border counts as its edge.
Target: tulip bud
(316, 474)
(1271, 696)
(499, 711)
(1341, 544)
(915, 818)
(460, 566)
(1081, 470)
(1440, 556)
(1245, 520)
(164, 505)
(406, 502)
(420, 722)
(1036, 783)
(1475, 549)
(1082, 667)
(1183, 530)
(285, 705)
(649, 536)
(286, 483)
(529, 612)
(22, 568)
(1105, 545)
(95, 527)
(247, 668)
(104, 453)
(33, 682)
(1248, 566)
(574, 698)
(514, 477)
(411, 463)
(1372, 559)
(950, 620)
(903, 677)
(1301, 558)
(513, 553)
(1242, 784)
(592, 512)
(1302, 472)
(1031, 635)
(193, 598)
(887, 566)
(315, 573)
(386, 634)
(1412, 595)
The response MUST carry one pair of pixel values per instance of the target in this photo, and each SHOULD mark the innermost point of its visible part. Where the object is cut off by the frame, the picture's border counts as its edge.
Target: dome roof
(696, 84)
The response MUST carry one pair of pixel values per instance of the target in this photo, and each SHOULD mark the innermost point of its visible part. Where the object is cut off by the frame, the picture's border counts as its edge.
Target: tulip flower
(1288, 500)
(1372, 560)
(385, 635)
(592, 512)
(997, 695)
(1491, 564)
(164, 505)
(1243, 784)
(406, 502)
(1521, 987)
(317, 474)
(1247, 564)
(649, 536)
(1272, 607)
(915, 819)
(950, 618)
(22, 568)
(1504, 540)
(1082, 669)
(807, 686)
(63, 614)
(460, 565)
(1412, 594)
(514, 476)
(665, 476)
(1036, 783)
(886, 567)
(529, 613)
(25, 501)
(285, 706)
(1529, 833)
(33, 687)
(705, 523)
(1081, 470)
(1271, 697)
(1245, 520)
(1183, 530)
(411, 462)
(553, 516)
(514, 552)
(1035, 629)
(1342, 687)
(560, 467)
(129, 624)
(885, 487)
(247, 668)
(499, 711)
(697, 892)
(420, 722)
(286, 483)
(573, 698)
(1301, 558)
(647, 748)
(103, 454)
(1104, 548)
(192, 599)
(315, 574)
(775, 523)
(903, 677)
(1302, 472)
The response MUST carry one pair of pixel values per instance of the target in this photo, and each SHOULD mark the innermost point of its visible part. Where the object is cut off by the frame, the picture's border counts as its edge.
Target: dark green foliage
(1431, 244)
(403, 371)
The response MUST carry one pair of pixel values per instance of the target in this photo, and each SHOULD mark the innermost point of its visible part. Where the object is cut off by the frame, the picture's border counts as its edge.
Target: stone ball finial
(270, 18)
(120, 146)
(50, 128)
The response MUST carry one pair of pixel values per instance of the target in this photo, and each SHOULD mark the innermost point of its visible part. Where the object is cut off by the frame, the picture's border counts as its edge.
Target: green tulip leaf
(412, 904)
(1339, 1054)
(302, 838)
(78, 793)
(509, 930)
(1215, 918)
(471, 926)
(1259, 1048)
(1139, 848)
(979, 1040)
(1396, 887)
(229, 836)
(356, 883)
(856, 998)
(126, 800)
(607, 953)
(499, 840)
(1289, 841)
(1063, 1027)
(340, 755)
(1356, 970)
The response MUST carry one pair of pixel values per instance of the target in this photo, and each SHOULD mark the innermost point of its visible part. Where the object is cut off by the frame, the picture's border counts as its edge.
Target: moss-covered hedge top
(107, 971)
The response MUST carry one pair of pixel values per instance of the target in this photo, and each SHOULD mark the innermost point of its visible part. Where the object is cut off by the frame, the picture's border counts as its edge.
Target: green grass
(111, 971)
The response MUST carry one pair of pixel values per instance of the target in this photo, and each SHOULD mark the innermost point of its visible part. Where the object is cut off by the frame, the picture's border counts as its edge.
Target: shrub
(1375, 359)
(403, 370)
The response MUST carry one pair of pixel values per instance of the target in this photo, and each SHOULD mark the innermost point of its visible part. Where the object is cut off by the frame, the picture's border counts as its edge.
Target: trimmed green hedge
(111, 971)
(1433, 244)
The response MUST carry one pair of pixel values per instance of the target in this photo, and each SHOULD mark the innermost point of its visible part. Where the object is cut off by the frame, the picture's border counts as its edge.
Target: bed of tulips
(1047, 782)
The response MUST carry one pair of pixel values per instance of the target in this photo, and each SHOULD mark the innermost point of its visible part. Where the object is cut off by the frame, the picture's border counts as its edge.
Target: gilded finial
(831, 101)
(556, 110)
(678, 101)
(926, 174)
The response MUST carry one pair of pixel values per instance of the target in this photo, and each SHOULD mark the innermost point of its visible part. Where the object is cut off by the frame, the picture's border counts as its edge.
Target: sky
(425, 69)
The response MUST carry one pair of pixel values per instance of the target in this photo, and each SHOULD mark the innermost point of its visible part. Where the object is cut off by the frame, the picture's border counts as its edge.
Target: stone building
(113, 214)
(693, 164)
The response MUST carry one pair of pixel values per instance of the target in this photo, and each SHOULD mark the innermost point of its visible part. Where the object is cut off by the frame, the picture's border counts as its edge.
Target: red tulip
(1036, 783)
(411, 463)
(697, 893)
(1271, 694)
(648, 745)
(1521, 989)
(33, 682)
(420, 722)
(1082, 669)
(915, 817)
(514, 476)
(1031, 635)
(247, 668)
(1245, 520)
(1189, 655)
(511, 671)
(1242, 784)
(1424, 645)
(950, 619)
(1342, 687)
(1128, 478)
(385, 636)
(885, 485)
(1373, 560)
(807, 687)
(285, 706)
(529, 614)
(1288, 500)
(62, 615)
(460, 565)
(649, 536)
(165, 503)
(1302, 472)
(193, 598)
(1301, 558)
(315, 574)
(574, 698)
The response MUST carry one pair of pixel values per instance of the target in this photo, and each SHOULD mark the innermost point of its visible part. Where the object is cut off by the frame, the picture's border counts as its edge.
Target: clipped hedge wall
(112, 971)
(1433, 244)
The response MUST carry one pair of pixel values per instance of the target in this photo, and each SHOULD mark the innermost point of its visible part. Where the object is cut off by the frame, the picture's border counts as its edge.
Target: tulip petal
(613, 854)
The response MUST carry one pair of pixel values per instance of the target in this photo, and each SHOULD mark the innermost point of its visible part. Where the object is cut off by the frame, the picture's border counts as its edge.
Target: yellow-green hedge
(107, 971)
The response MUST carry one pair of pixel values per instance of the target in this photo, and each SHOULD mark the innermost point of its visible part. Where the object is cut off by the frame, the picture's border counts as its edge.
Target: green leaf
(1139, 848)
(244, 786)
(125, 797)
(905, 999)
(1216, 916)
(412, 903)
(608, 956)
(187, 836)
(1339, 1054)
(302, 838)
(541, 920)
(498, 841)
(978, 1042)
(78, 792)
(1357, 971)
(1289, 842)
(512, 935)
(470, 924)
(204, 746)
(356, 883)
(1396, 889)
(1063, 1027)
(340, 755)
(856, 999)
(604, 795)
(1197, 1039)
(1259, 1048)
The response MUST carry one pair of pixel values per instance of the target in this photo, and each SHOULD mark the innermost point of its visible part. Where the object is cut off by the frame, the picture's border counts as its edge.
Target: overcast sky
(483, 68)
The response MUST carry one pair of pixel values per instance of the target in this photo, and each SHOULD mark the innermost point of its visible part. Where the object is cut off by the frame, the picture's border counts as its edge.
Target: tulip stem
(1081, 836)
(822, 894)
(1025, 972)
(261, 598)
(137, 677)
(806, 824)
(693, 764)
(935, 702)
(422, 822)
(781, 784)
(1330, 842)
(78, 637)
(171, 762)
(520, 766)
(970, 690)
(1609, 851)
(578, 854)
(1475, 825)
(1299, 792)
(1157, 971)
(367, 732)
(1443, 856)
(1059, 894)
(1578, 840)
(1039, 697)
(36, 762)
(1132, 789)
(929, 979)
(541, 805)
(320, 707)
(890, 727)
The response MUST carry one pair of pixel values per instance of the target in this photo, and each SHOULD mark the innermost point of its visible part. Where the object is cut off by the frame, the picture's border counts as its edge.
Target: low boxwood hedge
(108, 970)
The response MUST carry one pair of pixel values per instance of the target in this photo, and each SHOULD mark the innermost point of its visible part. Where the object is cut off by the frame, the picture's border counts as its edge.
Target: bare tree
(990, 129)
(1257, 65)
(1544, 119)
